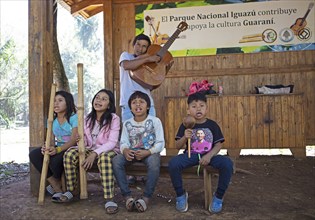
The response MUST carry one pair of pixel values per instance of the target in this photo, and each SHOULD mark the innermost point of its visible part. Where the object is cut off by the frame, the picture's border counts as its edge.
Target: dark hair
(106, 118)
(198, 96)
(141, 95)
(71, 108)
(141, 37)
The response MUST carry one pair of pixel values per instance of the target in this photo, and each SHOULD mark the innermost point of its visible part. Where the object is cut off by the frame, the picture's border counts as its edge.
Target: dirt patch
(281, 187)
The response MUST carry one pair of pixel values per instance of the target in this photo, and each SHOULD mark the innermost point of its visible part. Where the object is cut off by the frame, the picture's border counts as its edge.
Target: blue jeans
(178, 163)
(152, 163)
(127, 114)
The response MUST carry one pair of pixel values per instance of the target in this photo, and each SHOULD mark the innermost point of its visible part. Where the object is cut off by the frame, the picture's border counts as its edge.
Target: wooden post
(207, 187)
(83, 181)
(40, 77)
(109, 45)
(41, 195)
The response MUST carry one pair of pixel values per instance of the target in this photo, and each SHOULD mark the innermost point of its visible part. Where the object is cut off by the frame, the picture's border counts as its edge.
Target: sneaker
(216, 205)
(182, 203)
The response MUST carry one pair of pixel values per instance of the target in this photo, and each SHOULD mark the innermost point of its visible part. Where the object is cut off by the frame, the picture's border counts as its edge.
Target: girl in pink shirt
(101, 139)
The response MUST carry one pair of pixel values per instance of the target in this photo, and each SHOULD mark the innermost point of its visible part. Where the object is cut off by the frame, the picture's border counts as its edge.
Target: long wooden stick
(83, 181)
(41, 195)
(189, 140)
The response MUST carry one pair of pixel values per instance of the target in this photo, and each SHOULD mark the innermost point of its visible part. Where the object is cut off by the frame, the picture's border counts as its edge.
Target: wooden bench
(139, 169)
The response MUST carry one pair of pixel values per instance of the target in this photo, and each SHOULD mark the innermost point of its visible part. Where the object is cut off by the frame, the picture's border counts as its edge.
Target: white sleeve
(124, 56)
(124, 140)
(159, 133)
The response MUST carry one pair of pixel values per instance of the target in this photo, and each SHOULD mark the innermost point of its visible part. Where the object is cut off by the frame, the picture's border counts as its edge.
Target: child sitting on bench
(65, 131)
(101, 135)
(208, 133)
(142, 140)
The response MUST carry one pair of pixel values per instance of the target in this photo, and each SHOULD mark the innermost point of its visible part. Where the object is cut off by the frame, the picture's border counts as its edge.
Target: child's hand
(205, 160)
(129, 154)
(78, 138)
(188, 133)
(52, 150)
(141, 154)
(88, 162)
(43, 149)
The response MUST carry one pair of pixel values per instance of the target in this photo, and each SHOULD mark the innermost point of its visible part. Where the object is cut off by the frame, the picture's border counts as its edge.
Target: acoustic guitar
(151, 75)
(300, 23)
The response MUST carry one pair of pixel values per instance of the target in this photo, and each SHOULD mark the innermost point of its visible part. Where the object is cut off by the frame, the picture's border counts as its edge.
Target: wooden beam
(240, 71)
(80, 6)
(108, 45)
(135, 2)
(83, 14)
(93, 12)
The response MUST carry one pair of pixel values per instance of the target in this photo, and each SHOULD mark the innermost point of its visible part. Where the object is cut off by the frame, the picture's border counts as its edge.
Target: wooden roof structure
(84, 8)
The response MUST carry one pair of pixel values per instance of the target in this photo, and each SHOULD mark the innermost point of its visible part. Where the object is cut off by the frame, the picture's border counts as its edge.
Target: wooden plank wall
(247, 121)
(239, 73)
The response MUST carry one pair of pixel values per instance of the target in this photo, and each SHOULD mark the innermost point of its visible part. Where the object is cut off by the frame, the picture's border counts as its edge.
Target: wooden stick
(83, 181)
(41, 195)
(239, 170)
(189, 147)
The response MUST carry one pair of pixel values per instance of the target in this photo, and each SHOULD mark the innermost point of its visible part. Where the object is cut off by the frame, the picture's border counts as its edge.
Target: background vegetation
(80, 41)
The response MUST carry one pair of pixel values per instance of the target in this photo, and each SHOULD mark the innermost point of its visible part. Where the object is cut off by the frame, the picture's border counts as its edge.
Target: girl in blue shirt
(65, 130)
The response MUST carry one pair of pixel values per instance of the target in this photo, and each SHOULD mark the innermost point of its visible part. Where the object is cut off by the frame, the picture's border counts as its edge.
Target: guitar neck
(303, 19)
(168, 44)
(308, 11)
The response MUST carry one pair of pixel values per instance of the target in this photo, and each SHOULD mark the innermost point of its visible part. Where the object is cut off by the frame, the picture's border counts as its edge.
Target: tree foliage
(87, 34)
(59, 73)
(85, 46)
(82, 45)
(14, 82)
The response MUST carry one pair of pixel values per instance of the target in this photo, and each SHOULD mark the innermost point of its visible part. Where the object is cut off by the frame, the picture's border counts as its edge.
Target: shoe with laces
(182, 203)
(216, 205)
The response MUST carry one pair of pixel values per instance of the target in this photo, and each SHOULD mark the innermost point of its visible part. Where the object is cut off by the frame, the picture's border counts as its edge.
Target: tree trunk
(60, 77)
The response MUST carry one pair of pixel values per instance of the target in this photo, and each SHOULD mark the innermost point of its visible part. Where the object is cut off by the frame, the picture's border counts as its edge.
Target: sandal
(111, 207)
(141, 205)
(50, 190)
(65, 197)
(56, 196)
(130, 204)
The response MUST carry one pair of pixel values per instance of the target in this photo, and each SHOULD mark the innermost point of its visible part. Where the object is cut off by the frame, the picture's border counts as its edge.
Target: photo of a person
(201, 145)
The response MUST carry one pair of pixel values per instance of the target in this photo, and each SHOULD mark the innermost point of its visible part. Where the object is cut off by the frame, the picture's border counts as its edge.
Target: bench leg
(207, 187)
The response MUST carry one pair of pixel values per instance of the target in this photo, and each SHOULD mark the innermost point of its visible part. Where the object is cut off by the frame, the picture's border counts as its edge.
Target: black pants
(55, 167)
